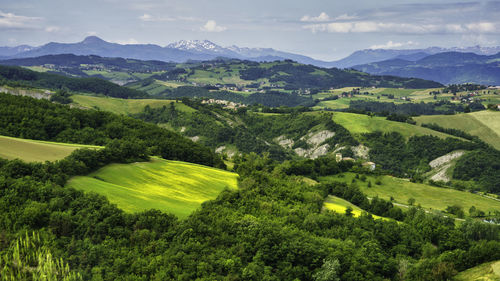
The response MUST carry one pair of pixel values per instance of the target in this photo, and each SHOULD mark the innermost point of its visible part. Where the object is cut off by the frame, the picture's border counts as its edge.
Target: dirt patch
(445, 159)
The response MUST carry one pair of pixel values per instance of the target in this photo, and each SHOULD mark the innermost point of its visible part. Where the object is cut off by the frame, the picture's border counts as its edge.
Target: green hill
(36, 151)
(360, 123)
(171, 186)
(124, 106)
(429, 197)
(339, 205)
(484, 124)
(489, 271)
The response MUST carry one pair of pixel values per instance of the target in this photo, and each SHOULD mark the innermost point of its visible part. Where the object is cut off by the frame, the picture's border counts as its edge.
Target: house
(370, 165)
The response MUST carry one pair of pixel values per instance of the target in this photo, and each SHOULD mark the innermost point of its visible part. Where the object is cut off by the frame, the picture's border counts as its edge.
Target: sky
(322, 29)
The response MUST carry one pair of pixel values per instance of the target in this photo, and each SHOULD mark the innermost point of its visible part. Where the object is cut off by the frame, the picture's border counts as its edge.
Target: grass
(36, 151)
(484, 124)
(429, 197)
(339, 205)
(170, 186)
(489, 271)
(125, 106)
(360, 123)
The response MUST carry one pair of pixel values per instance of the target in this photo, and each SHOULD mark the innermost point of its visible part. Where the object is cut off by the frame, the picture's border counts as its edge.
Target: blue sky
(322, 29)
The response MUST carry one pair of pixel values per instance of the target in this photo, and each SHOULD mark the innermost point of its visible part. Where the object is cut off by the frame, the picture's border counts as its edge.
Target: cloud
(321, 18)
(346, 17)
(392, 45)
(52, 29)
(151, 18)
(130, 41)
(12, 21)
(403, 28)
(211, 26)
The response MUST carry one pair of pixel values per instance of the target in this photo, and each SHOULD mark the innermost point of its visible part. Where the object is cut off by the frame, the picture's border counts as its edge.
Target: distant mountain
(186, 50)
(446, 68)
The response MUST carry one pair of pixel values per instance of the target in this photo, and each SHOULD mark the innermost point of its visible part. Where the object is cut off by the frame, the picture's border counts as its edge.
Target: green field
(360, 123)
(339, 205)
(124, 106)
(484, 124)
(36, 151)
(170, 186)
(485, 272)
(429, 197)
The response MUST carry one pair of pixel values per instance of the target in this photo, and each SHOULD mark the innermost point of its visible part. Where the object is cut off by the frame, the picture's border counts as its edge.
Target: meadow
(429, 197)
(171, 186)
(489, 271)
(484, 124)
(36, 151)
(339, 205)
(125, 106)
(360, 123)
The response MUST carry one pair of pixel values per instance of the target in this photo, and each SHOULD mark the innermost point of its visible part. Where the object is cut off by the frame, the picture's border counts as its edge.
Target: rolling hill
(170, 186)
(446, 68)
(484, 124)
(489, 271)
(35, 150)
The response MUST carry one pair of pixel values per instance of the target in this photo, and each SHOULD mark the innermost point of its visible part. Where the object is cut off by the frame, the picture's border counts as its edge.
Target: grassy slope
(36, 151)
(360, 123)
(124, 106)
(484, 124)
(429, 197)
(171, 186)
(485, 272)
(339, 205)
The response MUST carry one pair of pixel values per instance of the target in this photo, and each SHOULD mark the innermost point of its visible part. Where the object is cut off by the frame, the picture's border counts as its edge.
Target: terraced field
(484, 124)
(124, 106)
(36, 151)
(170, 186)
(429, 197)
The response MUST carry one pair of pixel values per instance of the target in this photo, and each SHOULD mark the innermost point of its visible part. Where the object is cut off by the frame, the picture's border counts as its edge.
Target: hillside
(484, 124)
(446, 68)
(170, 186)
(36, 151)
(340, 205)
(429, 197)
(485, 272)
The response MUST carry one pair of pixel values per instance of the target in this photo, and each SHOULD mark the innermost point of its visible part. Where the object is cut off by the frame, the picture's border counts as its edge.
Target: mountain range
(186, 50)
(446, 68)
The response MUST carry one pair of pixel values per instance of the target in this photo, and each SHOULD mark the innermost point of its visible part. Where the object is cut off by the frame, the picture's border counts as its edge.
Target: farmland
(124, 106)
(484, 124)
(339, 205)
(170, 186)
(489, 271)
(36, 151)
(429, 197)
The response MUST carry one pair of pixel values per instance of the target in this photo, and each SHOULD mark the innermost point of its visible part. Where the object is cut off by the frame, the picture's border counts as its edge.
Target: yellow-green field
(170, 186)
(124, 106)
(339, 205)
(360, 123)
(484, 124)
(429, 197)
(485, 272)
(36, 151)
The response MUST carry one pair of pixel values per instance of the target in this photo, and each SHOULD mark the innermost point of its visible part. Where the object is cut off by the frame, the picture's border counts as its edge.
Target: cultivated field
(484, 124)
(124, 106)
(429, 197)
(339, 205)
(485, 272)
(360, 123)
(36, 151)
(170, 186)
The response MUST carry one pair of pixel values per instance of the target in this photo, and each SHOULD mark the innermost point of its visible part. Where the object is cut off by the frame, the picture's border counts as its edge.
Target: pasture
(489, 271)
(170, 186)
(340, 205)
(36, 151)
(429, 197)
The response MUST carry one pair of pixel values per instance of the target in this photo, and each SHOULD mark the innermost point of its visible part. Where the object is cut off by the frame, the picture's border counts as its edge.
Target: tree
(328, 271)
(411, 201)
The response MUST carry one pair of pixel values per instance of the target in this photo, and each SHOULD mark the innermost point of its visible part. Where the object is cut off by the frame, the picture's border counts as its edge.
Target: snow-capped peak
(196, 45)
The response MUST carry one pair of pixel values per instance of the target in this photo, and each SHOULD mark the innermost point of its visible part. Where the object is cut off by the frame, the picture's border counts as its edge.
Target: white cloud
(392, 45)
(346, 17)
(321, 18)
(151, 18)
(146, 17)
(211, 26)
(91, 33)
(404, 28)
(52, 29)
(12, 21)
